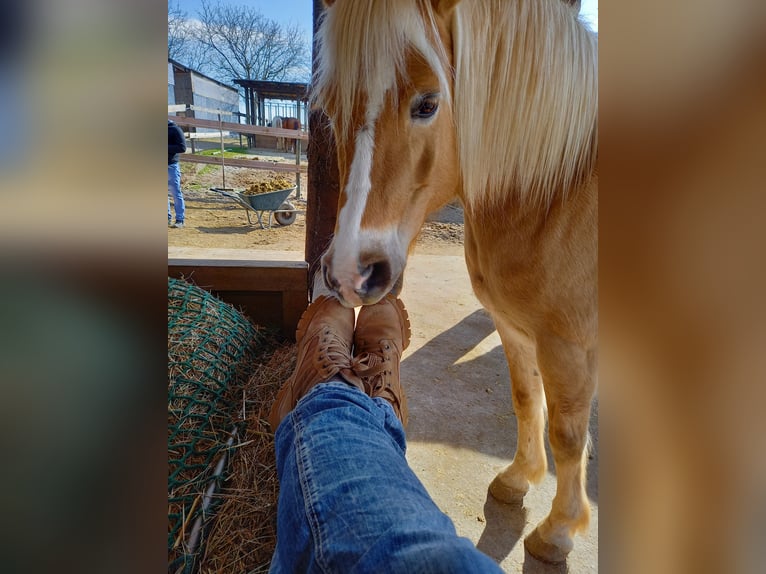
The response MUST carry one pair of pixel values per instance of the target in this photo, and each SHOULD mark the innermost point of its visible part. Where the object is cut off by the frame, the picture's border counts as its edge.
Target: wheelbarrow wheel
(286, 214)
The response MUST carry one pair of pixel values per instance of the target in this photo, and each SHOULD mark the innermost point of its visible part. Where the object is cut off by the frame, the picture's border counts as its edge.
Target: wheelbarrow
(272, 202)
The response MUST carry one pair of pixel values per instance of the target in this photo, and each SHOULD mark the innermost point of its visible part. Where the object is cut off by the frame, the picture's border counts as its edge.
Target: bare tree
(177, 30)
(242, 43)
(183, 45)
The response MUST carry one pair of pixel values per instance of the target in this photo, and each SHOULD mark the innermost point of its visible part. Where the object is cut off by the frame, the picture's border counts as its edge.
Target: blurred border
(82, 286)
(682, 277)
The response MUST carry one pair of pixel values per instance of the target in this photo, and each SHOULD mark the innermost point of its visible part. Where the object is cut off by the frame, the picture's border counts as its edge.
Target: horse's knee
(568, 434)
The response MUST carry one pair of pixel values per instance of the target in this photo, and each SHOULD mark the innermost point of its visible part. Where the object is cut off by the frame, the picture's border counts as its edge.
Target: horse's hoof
(505, 493)
(544, 551)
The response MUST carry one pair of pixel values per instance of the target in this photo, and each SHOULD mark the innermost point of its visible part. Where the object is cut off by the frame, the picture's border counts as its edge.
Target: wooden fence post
(324, 180)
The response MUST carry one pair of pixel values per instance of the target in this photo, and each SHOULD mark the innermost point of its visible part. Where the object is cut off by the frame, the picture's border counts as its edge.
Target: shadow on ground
(447, 376)
(244, 229)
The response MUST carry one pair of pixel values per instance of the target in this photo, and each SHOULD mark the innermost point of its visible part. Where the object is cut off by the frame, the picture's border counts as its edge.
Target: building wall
(193, 89)
(183, 88)
(212, 95)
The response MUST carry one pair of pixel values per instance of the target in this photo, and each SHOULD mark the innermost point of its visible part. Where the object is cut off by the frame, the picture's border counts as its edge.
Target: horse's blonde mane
(525, 95)
(526, 99)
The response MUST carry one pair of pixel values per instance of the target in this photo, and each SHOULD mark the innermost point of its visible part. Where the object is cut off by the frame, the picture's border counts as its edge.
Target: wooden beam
(238, 162)
(239, 128)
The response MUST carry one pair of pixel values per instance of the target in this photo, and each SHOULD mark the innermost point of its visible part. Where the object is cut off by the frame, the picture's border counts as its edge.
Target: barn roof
(276, 90)
(184, 68)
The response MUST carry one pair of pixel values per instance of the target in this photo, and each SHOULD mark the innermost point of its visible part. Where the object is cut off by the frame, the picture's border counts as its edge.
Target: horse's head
(384, 81)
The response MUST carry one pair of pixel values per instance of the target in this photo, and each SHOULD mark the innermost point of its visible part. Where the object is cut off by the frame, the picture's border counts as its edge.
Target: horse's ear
(444, 7)
(575, 4)
(328, 3)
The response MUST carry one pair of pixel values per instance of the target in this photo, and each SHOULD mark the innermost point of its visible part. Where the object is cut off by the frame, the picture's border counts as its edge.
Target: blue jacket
(176, 142)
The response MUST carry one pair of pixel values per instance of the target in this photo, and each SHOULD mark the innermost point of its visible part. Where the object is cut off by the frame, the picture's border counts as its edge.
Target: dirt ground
(213, 220)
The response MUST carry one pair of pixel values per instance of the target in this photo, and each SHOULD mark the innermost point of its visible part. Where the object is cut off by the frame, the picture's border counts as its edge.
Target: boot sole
(405, 321)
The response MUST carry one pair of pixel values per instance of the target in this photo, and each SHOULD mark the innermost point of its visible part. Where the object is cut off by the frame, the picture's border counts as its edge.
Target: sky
(300, 11)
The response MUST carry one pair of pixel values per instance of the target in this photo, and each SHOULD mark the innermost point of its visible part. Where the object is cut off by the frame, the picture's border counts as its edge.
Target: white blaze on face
(345, 261)
(351, 243)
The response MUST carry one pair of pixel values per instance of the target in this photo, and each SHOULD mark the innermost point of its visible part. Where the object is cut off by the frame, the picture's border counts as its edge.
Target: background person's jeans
(348, 501)
(174, 191)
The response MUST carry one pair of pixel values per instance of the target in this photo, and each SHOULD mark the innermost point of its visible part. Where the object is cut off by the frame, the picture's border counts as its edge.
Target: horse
(288, 124)
(276, 122)
(494, 103)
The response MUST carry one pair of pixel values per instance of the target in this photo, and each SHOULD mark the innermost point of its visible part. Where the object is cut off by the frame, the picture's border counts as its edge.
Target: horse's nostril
(378, 277)
(366, 271)
(329, 281)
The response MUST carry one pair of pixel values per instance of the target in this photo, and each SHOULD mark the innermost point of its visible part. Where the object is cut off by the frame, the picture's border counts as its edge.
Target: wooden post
(223, 152)
(324, 180)
(298, 168)
(253, 119)
(298, 150)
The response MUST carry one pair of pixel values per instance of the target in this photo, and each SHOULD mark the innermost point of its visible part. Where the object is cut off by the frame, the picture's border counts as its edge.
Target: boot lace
(333, 351)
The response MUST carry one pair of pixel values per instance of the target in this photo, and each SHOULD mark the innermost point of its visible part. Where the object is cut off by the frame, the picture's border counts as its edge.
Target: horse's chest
(504, 272)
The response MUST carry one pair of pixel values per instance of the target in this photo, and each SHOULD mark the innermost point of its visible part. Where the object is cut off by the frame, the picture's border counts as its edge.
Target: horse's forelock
(363, 48)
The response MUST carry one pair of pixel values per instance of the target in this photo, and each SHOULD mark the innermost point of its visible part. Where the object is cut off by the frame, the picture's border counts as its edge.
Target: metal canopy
(275, 90)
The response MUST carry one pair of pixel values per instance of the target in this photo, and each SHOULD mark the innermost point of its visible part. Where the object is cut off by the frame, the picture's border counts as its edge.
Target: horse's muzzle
(366, 286)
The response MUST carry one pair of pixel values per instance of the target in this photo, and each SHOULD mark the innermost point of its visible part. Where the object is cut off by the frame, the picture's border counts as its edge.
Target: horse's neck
(509, 220)
(526, 260)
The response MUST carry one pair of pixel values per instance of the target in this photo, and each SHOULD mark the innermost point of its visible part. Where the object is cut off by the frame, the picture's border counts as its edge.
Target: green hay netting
(210, 347)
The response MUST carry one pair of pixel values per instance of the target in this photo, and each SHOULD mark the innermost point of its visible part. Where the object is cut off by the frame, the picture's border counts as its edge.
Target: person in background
(176, 146)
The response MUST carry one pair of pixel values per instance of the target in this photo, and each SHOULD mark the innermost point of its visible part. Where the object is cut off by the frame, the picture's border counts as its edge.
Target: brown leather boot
(324, 335)
(382, 334)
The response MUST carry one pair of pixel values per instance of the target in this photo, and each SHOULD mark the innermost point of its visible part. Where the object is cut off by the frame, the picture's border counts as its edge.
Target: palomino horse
(288, 124)
(495, 103)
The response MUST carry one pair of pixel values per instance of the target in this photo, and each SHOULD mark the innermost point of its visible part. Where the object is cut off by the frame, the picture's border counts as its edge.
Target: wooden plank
(237, 162)
(265, 309)
(214, 262)
(240, 128)
(203, 135)
(223, 255)
(212, 111)
(270, 295)
(294, 303)
(237, 278)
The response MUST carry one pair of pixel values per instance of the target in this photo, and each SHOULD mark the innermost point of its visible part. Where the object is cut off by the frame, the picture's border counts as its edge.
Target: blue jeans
(349, 502)
(174, 191)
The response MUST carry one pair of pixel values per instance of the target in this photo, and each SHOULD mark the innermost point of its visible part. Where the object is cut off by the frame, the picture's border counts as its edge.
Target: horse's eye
(425, 107)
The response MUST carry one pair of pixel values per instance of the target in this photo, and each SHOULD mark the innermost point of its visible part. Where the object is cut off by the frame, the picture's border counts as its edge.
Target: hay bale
(211, 349)
(243, 536)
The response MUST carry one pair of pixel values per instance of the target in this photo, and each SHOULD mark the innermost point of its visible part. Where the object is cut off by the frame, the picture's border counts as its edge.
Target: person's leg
(170, 215)
(174, 186)
(348, 500)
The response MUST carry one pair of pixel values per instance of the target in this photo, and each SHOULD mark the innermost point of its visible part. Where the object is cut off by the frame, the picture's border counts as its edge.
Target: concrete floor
(462, 429)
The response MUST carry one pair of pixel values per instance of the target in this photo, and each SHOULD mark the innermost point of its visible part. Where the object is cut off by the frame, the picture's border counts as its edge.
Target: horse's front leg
(529, 463)
(569, 374)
